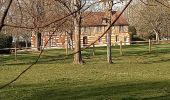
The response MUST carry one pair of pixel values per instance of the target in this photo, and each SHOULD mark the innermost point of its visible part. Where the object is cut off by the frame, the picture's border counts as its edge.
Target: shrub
(137, 38)
(5, 41)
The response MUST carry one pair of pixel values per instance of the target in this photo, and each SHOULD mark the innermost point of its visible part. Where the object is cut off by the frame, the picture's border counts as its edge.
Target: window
(53, 41)
(104, 21)
(100, 40)
(106, 38)
(122, 29)
(85, 41)
(85, 29)
(42, 42)
(117, 38)
(126, 39)
(49, 43)
(82, 29)
(99, 29)
(89, 31)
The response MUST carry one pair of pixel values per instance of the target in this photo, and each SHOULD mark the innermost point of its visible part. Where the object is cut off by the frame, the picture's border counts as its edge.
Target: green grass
(137, 75)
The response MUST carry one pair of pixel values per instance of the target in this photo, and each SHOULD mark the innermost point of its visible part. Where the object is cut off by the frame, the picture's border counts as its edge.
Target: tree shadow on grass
(53, 56)
(161, 60)
(46, 60)
(110, 91)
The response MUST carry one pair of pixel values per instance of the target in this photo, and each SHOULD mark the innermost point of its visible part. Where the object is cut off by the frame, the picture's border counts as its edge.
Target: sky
(99, 6)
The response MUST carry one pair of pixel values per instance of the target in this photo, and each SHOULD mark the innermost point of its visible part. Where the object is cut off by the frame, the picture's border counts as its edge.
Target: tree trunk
(71, 41)
(38, 41)
(77, 48)
(16, 46)
(77, 33)
(66, 42)
(157, 36)
(26, 43)
(16, 50)
(109, 49)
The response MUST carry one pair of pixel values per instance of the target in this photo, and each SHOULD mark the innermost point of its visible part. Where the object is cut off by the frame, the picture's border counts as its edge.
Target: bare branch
(5, 12)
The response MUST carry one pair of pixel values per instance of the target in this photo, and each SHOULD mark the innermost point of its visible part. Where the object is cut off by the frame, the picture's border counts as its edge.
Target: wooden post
(93, 49)
(121, 53)
(149, 46)
(15, 50)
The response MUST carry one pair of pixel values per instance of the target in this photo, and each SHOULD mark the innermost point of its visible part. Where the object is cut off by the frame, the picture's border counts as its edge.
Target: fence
(150, 43)
(121, 44)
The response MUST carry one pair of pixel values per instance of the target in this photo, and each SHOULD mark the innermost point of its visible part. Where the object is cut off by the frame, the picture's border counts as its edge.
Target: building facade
(94, 24)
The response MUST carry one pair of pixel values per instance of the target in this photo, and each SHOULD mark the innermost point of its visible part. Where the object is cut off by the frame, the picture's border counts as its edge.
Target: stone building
(94, 24)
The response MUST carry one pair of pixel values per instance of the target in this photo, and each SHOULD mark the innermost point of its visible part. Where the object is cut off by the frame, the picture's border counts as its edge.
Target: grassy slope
(137, 75)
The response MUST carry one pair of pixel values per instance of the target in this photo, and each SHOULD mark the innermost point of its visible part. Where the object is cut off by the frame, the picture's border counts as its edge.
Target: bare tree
(109, 44)
(4, 9)
(77, 31)
(36, 15)
(109, 14)
(77, 7)
(150, 17)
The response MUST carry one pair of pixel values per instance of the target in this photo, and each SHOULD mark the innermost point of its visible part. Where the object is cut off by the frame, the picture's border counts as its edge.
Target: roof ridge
(96, 19)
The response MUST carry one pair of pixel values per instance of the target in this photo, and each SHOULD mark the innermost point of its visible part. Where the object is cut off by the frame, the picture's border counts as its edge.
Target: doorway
(85, 41)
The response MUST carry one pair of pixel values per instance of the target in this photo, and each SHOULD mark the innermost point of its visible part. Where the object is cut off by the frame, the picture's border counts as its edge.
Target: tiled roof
(96, 19)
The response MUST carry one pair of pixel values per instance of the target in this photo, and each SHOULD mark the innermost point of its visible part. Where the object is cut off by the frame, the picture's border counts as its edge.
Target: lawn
(137, 75)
